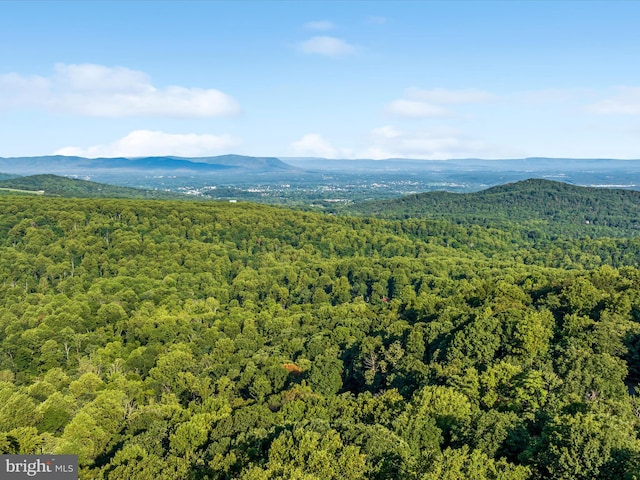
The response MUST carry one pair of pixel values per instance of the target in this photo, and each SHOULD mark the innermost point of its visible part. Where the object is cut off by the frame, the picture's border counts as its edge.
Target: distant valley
(320, 182)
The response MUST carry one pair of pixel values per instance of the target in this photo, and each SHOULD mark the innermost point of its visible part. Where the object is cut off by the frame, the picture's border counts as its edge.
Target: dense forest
(57, 186)
(165, 339)
(554, 207)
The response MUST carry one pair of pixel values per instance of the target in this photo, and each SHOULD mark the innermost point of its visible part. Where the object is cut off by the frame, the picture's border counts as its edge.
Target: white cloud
(430, 144)
(141, 143)
(313, 145)
(392, 142)
(388, 141)
(327, 46)
(320, 25)
(99, 91)
(625, 102)
(386, 132)
(22, 91)
(421, 103)
(91, 77)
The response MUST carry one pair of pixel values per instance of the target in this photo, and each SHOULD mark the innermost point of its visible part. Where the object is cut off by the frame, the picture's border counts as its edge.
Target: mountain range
(369, 178)
(80, 166)
(532, 164)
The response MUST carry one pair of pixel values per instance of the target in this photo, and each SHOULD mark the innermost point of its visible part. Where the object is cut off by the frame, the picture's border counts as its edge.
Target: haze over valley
(308, 180)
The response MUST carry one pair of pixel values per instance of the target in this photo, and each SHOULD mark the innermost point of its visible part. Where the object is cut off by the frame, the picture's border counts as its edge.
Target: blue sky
(358, 79)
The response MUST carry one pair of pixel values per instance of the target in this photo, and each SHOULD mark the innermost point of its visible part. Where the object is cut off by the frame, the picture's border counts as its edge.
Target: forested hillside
(554, 207)
(57, 186)
(191, 340)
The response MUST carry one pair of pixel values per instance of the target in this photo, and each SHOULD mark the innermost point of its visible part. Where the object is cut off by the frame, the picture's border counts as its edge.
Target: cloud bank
(625, 102)
(327, 46)
(419, 103)
(313, 145)
(100, 91)
(431, 144)
(388, 141)
(142, 143)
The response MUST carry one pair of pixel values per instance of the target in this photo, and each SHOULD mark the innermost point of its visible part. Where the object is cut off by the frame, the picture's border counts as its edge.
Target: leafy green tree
(325, 375)
(307, 454)
(55, 412)
(454, 464)
(17, 409)
(587, 445)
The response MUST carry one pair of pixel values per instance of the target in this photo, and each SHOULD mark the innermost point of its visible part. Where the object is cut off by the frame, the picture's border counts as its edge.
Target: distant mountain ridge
(244, 161)
(530, 164)
(64, 165)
